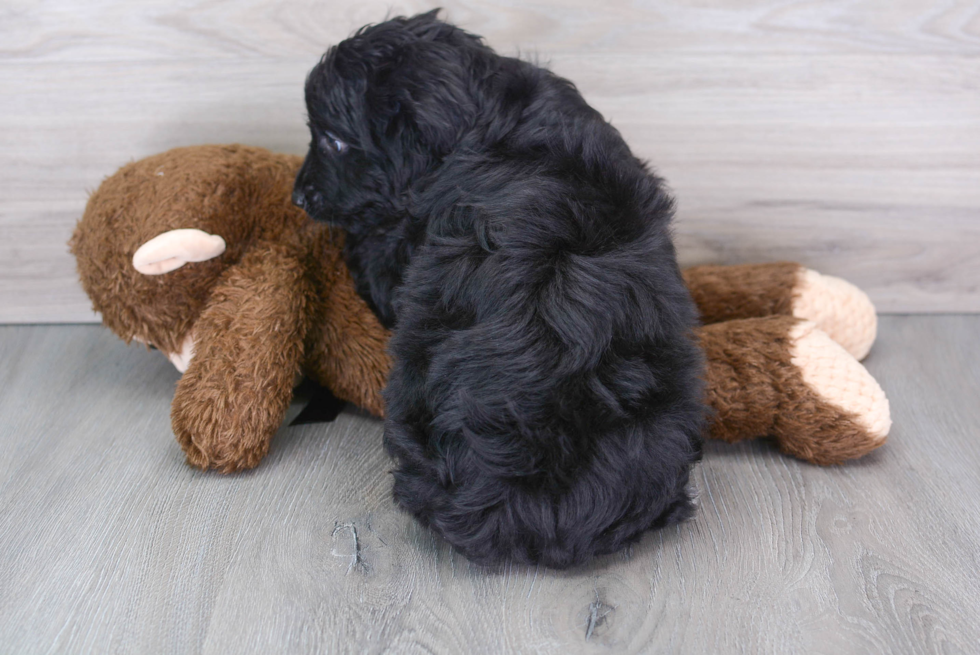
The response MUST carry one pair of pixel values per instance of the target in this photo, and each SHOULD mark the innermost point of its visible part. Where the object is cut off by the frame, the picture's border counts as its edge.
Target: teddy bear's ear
(173, 249)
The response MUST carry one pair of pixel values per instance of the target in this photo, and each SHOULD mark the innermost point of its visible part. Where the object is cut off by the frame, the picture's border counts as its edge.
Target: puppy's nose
(299, 199)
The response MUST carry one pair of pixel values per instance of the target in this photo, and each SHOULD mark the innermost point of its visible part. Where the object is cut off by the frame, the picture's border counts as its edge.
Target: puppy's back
(545, 403)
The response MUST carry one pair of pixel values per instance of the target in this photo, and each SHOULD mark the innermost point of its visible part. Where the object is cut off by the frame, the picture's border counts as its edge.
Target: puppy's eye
(330, 143)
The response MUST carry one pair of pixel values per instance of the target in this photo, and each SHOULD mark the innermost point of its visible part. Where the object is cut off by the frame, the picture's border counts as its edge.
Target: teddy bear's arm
(349, 350)
(248, 344)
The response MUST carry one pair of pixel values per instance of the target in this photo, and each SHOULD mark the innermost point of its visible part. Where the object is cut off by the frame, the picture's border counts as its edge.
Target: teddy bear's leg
(839, 308)
(784, 378)
(248, 344)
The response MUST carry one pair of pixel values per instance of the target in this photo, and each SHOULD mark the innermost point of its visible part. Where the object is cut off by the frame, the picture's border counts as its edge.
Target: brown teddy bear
(199, 252)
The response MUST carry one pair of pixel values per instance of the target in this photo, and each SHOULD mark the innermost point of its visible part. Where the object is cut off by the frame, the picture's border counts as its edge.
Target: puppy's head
(385, 106)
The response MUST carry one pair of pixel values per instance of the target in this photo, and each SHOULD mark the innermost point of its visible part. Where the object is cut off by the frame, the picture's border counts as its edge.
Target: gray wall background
(841, 134)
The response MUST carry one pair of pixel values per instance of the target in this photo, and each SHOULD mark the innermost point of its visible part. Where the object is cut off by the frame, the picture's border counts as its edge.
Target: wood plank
(109, 543)
(117, 30)
(844, 136)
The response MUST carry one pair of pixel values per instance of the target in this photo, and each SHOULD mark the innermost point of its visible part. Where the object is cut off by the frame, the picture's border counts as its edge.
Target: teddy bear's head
(157, 235)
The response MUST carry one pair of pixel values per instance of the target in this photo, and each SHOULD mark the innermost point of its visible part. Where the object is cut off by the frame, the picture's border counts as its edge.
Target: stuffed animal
(200, 253)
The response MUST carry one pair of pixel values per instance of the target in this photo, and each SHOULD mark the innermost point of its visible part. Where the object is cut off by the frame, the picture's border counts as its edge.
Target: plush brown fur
(726, 293)
(755, 390)
(277, 303)
(280, 301)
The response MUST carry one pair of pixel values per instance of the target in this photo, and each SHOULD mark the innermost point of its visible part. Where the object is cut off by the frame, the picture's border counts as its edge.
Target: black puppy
(545, 403)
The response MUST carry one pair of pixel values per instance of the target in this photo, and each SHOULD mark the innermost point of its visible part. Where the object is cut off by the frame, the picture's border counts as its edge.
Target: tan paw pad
(839, 379)
(838, 308)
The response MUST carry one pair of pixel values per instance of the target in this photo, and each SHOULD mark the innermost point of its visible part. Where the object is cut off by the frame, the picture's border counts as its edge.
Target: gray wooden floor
(109, 543)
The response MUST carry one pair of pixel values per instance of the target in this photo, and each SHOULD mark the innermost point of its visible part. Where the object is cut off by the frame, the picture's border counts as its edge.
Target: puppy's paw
(839, 308)
(835, 410)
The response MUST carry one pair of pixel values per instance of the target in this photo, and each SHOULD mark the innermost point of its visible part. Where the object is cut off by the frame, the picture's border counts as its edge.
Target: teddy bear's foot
(838, 308)
(835, 409)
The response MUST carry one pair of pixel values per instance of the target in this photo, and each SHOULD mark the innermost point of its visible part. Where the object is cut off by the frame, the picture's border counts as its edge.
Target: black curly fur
(545, 401)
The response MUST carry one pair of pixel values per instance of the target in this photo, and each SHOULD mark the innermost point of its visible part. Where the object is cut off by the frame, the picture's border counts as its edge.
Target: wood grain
(157, 29)
(842, 135)
(109, 543)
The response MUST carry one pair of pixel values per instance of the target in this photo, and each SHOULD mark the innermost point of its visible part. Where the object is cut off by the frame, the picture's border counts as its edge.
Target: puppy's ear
(430, 88)
(426, 25)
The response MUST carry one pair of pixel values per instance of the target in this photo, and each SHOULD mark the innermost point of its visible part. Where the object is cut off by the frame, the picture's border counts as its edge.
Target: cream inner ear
(173, 249)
